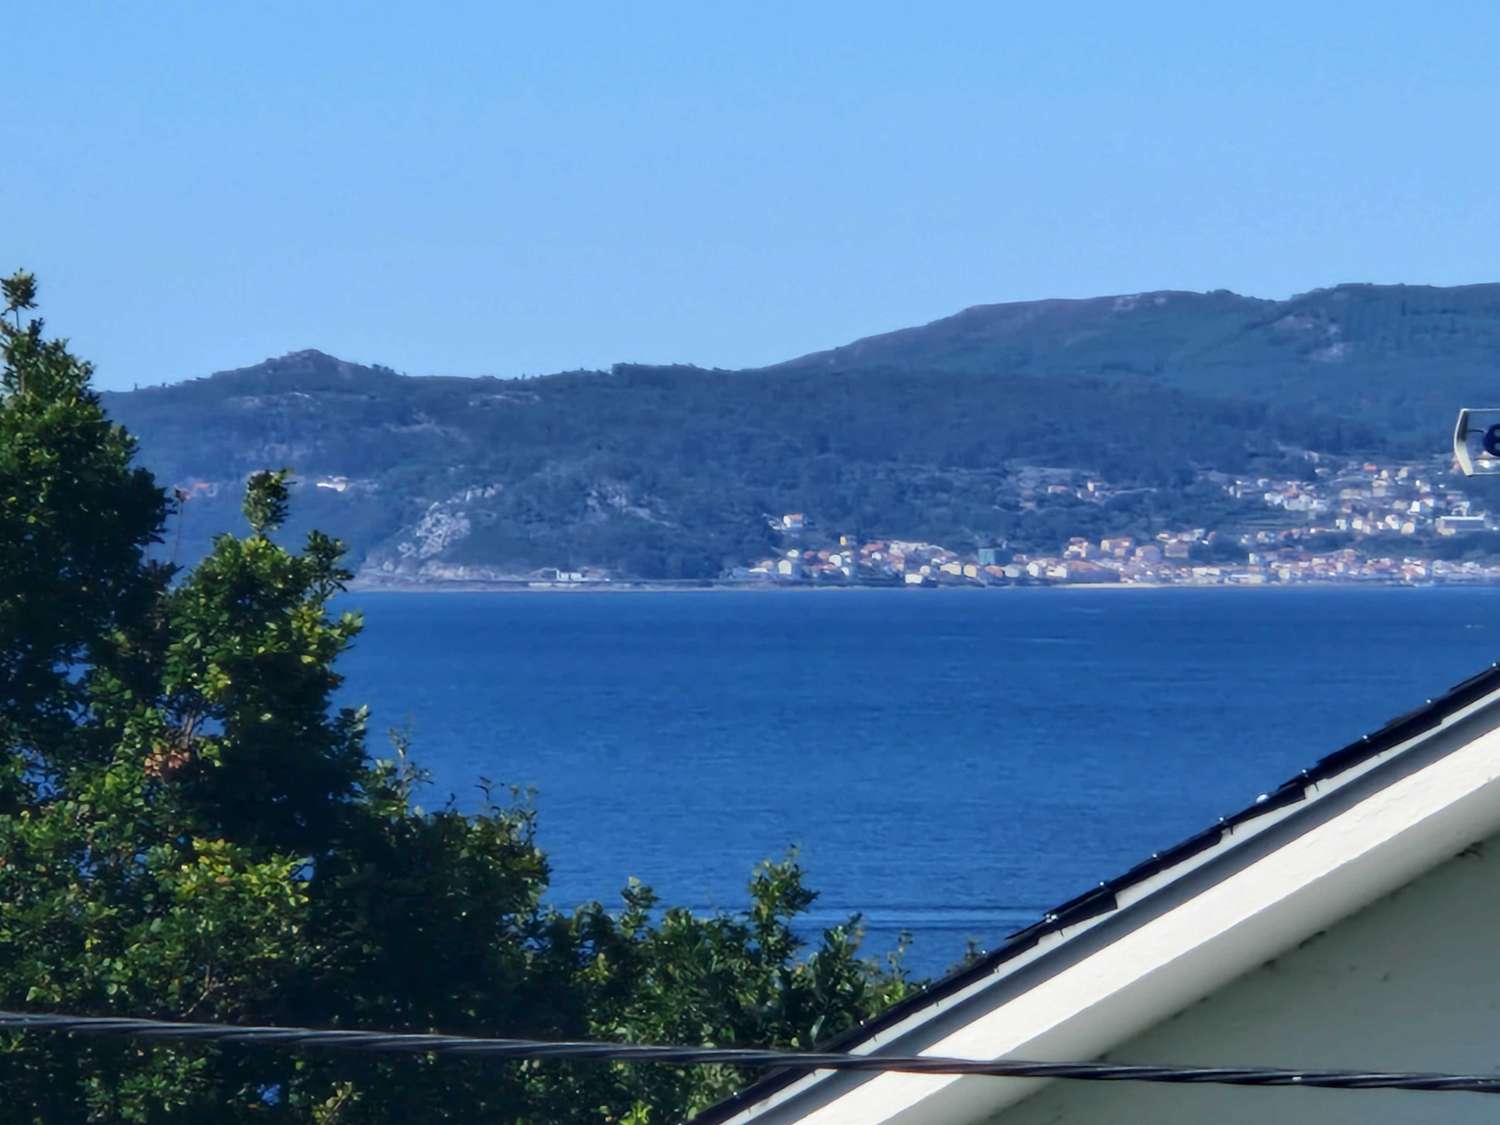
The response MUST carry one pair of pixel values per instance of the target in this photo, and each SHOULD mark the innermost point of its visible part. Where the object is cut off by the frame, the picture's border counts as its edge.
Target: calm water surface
(949, 763)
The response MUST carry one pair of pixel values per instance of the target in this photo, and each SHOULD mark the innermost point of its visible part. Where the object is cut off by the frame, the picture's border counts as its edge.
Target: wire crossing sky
(506, 188)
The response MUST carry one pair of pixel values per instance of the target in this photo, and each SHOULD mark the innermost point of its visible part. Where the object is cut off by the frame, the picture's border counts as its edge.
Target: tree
(75, 523)
(190, 829)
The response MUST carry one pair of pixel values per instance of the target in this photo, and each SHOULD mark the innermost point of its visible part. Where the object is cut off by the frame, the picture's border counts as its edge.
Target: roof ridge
(1105, 898)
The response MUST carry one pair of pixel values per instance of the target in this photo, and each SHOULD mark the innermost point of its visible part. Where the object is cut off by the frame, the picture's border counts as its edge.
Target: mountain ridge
(1172, 333)
(673, 471)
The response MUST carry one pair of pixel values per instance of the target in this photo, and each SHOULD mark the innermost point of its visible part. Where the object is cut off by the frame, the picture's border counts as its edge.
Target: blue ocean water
(949, 763)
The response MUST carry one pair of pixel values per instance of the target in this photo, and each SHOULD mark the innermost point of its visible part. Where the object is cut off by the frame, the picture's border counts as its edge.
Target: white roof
(1104, 967)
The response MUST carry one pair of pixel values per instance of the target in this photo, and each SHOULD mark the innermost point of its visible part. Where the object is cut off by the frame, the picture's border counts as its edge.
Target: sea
(948, 764)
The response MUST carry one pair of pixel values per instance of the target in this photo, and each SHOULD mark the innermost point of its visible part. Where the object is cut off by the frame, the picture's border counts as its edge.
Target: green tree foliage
(189, 829)
(75, 523)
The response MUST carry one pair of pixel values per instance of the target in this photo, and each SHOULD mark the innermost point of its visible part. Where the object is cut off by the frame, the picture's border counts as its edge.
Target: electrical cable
(304, 1038)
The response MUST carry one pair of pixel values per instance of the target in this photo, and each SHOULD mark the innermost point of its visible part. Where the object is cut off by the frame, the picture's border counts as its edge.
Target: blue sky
(508, 188)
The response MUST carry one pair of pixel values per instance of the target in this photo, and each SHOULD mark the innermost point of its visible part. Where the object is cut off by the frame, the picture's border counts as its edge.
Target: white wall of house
(1409, 983)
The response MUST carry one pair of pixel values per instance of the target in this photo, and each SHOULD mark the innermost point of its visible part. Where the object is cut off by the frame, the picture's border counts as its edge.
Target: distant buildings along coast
(1389, 523)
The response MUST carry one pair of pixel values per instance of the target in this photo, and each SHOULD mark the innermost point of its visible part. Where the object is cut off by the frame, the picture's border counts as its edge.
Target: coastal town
(1322, 520)
(1408, 523)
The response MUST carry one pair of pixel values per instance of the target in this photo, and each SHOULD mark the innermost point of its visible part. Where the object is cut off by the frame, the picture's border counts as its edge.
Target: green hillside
(1400, 357)
(935, 432)
(671, 472)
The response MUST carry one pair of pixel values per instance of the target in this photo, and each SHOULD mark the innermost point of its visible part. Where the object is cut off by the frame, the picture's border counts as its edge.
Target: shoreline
(666, 586)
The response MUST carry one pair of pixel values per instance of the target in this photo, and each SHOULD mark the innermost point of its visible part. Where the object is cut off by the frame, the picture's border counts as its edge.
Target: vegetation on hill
(671, 472)
(1397, 358)
(189, 830)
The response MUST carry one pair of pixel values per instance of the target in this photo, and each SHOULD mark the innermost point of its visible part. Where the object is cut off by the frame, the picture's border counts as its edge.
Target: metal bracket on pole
(1476, 441)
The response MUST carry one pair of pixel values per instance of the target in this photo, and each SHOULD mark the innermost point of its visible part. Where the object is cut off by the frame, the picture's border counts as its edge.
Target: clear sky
(510, 188)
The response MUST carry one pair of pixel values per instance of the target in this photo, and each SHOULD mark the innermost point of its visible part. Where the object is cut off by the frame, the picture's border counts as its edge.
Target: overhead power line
(463, 1046)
